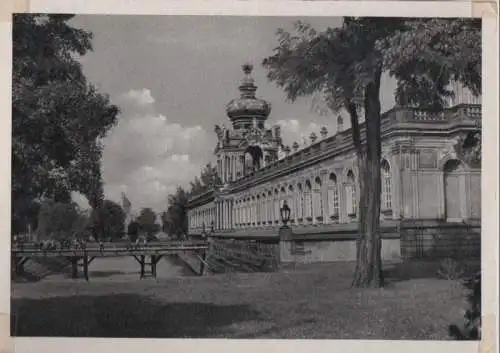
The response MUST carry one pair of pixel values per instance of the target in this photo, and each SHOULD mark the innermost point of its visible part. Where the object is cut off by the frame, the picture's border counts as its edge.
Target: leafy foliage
(431, 53)
(57, 220)
(82, 228)
(133, 230)
(450, 269)
(208, 179)
(469, 148)
(175, 219)
(59, 119)
(147, 221)
(108, 221)
(343, 67)
(471, 329)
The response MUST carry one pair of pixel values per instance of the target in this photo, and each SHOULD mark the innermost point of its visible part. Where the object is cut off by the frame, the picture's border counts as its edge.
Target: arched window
(351, 199)
(248, 163)
(248, 219)
(276, 206)
(454, 188)
(263, 208)
(270, 207)
(227, 169)
(317, 200)
(300, 202)
(333, 196)
(308, 200)
(219, 167)
(292, 202)
(253, 213)
(236, 213)
(232, 174)
(241, 166)
(386, 180)
(281, 199)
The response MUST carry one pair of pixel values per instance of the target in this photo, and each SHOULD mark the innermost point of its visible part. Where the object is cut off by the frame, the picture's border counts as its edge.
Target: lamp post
(204, 231)
(285, 214)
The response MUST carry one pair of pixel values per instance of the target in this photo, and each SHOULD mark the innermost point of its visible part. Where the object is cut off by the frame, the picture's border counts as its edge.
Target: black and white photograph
(246, 177)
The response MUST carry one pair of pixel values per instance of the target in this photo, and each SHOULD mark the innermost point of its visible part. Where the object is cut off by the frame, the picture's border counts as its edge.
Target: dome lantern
(244, 110)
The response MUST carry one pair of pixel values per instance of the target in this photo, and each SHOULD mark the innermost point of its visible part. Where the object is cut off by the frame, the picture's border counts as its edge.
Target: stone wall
(334, 243)
(435, 239)
(242, 255)
(401, 240)
(333, 251)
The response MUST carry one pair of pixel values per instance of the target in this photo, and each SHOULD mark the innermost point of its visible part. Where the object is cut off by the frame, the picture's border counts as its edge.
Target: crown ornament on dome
(247, 105)
(247, 68)
(247, 86)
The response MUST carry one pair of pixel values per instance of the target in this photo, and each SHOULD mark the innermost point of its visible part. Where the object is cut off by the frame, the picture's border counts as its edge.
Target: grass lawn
(312, 301)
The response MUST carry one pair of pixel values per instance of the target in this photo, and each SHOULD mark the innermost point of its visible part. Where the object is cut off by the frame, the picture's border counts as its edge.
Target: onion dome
(248, 106)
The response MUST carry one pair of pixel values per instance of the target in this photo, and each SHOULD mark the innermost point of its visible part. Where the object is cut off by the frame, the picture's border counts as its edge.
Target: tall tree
(57, 220)
(208, 178)
(108, 221)
(59, 119)
(147, 221)
(133, 230)
(176, 217)
(344, 66)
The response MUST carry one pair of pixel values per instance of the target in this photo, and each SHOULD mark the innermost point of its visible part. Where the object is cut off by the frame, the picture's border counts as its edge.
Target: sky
(171, 77)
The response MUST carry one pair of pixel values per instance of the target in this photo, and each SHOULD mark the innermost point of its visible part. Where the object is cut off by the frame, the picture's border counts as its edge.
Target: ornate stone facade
(248, 145)
(422, 177)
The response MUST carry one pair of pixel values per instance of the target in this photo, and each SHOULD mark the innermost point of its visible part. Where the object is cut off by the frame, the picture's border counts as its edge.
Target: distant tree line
(174, 219)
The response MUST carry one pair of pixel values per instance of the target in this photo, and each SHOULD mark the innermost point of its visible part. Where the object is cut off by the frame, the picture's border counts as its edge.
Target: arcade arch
(454, 190)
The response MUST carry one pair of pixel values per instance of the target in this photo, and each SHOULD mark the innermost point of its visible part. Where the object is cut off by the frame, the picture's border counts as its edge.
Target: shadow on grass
(103, 274)
(122, 315)
(420, 269)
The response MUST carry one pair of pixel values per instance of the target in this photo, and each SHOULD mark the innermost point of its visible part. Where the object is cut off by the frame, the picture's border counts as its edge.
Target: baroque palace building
(424, 182)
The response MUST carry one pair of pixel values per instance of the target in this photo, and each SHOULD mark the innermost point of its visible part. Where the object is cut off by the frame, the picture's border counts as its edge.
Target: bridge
(147, 255)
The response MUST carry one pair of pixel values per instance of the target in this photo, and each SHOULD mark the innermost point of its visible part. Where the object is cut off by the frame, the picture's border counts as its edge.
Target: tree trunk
(369, 244)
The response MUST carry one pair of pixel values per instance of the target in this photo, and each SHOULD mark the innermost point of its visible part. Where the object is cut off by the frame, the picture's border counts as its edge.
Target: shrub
(450, 269)
(472, 327)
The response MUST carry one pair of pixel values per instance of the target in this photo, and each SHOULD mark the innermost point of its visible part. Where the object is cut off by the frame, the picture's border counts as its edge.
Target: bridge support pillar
(74, 267)
(86, 267)
(153, 265)
(154, 261)
(142, 262)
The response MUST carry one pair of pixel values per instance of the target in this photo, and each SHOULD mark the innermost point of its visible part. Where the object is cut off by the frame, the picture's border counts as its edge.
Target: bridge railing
(34, 250)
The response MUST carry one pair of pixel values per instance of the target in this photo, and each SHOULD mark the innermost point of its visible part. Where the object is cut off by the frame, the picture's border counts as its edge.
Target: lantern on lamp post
(285, 213)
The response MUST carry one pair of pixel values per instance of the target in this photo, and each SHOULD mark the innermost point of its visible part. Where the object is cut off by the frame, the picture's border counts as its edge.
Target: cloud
(141, 97)
(147, 156)
(80, 200)
(296, 130)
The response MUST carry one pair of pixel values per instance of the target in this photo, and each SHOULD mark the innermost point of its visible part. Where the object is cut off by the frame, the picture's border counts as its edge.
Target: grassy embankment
(313, 301)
